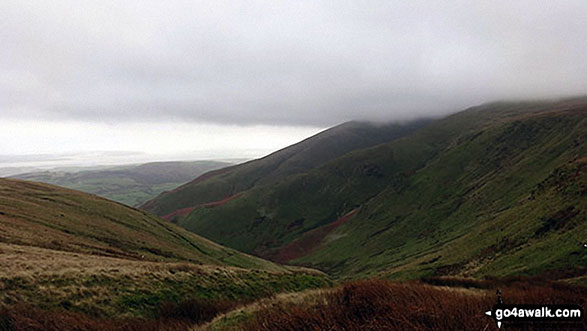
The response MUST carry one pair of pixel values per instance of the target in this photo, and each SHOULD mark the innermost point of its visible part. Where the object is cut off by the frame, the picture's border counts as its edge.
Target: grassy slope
(61, 248)
(131, 185)
(298, 158)
(497, 189)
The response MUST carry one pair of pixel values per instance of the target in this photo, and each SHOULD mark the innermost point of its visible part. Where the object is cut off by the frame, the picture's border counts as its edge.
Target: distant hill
(312, 152)
(498, 189)
(131, 185)
(11, 171)
(63, 249)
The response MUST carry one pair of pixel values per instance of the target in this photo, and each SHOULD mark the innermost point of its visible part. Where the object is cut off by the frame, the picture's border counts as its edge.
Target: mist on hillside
(249, 77)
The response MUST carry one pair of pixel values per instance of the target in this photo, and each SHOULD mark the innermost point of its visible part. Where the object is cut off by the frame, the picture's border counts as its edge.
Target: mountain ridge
(306, 154)
(429, 193)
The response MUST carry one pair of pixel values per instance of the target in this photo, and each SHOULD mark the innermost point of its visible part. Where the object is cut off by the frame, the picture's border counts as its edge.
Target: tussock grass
(172, 317)
(72, 261)
(25, 318)
(386, 305)
(235, 317)
(106, 287)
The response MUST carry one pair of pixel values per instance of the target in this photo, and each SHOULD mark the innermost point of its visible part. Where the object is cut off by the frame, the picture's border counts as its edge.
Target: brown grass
(179, 212)
(25, 318)
(171, 316)
(549, 279)
(195, 310)
(224, 321)
(187, 210)
(385, 305)
(114, 288)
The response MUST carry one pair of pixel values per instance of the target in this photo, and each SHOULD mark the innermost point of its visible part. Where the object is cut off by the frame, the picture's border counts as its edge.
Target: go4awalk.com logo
(518, 313)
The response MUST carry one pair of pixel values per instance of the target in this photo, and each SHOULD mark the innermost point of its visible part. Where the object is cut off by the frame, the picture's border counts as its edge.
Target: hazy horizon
(242, 79)
(11, 165)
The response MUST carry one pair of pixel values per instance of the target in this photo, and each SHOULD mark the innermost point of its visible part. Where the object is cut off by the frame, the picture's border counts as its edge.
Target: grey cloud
(271, 62)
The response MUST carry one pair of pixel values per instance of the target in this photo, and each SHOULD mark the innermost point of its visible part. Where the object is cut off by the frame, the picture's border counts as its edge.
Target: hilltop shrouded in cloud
(274, 63)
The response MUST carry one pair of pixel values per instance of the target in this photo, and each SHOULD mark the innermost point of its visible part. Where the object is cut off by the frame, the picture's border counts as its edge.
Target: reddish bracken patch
(309, 241)
(386, 305)
(185, 211)
(221, 202)
(179, 212)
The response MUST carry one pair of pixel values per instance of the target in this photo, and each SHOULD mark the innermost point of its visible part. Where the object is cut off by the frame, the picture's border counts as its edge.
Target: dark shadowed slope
(131, 185)
(312, 152)
(498, 189)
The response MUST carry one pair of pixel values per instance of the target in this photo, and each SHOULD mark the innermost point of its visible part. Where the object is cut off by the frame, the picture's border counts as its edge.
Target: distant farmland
(131, 185)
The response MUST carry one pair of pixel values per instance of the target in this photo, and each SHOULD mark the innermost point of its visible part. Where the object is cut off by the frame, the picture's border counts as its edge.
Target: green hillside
(307, 154)
(131, 185)
(63, 249)
(497, 189)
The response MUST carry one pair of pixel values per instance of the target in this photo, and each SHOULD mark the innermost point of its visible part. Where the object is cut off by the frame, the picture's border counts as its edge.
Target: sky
(216, 79)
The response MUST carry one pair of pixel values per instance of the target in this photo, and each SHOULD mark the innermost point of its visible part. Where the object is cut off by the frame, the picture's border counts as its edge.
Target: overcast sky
(252, 76)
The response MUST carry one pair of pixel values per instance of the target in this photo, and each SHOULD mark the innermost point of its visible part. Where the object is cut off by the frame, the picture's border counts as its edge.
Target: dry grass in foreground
(42, 289)
(233, 318)
(172, 317)
(385, 305)
(450, 304)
